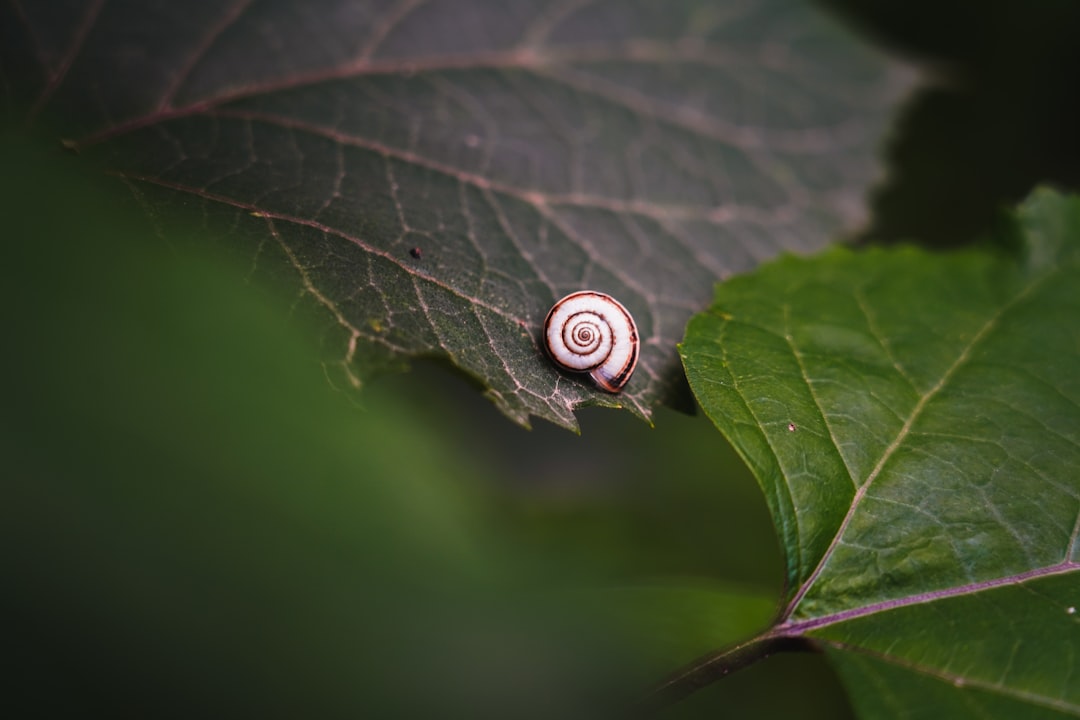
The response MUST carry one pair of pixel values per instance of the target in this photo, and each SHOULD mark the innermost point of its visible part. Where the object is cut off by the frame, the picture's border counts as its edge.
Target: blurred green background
(194, 523)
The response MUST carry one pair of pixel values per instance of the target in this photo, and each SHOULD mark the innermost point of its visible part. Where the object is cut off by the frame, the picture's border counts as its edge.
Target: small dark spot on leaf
(791, 427)
(416, 253)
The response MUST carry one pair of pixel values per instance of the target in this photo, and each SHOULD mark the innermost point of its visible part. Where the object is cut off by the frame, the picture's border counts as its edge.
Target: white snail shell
(592, 332)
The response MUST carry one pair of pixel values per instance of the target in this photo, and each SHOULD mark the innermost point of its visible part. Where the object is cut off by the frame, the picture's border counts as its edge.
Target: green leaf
(914, 422)
(523, 150)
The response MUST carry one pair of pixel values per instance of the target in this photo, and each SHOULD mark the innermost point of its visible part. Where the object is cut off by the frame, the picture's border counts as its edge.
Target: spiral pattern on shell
(592, 332)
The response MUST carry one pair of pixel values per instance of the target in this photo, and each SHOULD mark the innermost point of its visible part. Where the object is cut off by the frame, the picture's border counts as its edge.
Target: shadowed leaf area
(177, 541)
(431, 176)
(914, 422)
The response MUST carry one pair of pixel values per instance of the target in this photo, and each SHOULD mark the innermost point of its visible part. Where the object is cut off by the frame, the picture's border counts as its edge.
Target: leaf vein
(391, 19)
(58, 74)
(813, 395)
(215, 31)
(961, 359)
(961, 681)
(881, 339)
(366, 247)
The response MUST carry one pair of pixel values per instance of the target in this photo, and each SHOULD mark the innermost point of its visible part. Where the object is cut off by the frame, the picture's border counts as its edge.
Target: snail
(592, 332)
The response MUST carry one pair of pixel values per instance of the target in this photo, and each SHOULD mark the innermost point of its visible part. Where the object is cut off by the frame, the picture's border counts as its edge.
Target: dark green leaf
(914, 421)
(523, 149)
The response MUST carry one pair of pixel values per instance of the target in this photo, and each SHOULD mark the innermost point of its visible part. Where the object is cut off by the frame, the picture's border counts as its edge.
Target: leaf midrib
(801, 627)
(962, 358)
